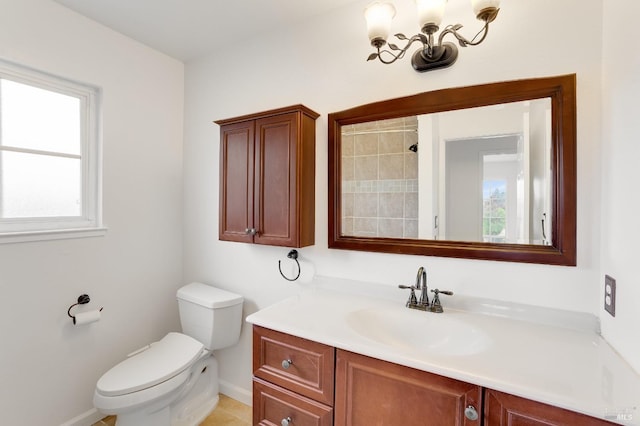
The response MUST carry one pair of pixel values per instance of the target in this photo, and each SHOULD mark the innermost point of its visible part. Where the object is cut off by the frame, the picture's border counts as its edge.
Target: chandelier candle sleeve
(480, 5)
(430, 12)
(379, 16)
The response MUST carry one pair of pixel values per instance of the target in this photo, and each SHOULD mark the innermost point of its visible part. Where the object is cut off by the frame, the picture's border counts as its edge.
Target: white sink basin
(410, 329)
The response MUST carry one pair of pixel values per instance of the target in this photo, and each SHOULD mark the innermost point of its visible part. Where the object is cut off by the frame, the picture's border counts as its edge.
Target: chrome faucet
(421, 284)
(423, 303)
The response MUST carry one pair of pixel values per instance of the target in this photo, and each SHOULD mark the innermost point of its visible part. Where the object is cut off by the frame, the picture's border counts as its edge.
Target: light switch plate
(610, 295)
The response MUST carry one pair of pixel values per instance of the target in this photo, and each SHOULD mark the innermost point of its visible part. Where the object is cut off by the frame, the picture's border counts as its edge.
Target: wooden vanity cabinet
(293, 380)
(267, 177)
(374, 392)
(502, 409)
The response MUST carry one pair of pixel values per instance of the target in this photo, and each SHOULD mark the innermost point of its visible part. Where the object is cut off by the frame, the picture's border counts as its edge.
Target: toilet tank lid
(208, 296)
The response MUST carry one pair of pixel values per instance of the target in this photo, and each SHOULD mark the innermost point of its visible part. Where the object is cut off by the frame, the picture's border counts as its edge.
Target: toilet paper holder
(83, 299)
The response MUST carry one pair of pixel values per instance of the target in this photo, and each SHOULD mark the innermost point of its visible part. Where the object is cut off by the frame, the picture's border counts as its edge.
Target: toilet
(174, 382)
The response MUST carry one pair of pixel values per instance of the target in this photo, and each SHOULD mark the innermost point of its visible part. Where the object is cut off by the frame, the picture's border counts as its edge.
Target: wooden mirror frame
(561, 90)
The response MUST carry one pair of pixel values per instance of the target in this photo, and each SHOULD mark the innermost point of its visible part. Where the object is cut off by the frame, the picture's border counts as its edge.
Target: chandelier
(432, 54)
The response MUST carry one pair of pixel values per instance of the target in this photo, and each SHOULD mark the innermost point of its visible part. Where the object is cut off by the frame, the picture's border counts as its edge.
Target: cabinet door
(275, 406)
(275, 197)
(309, 367)
(236, 181)
(373, 392)
(502, 409)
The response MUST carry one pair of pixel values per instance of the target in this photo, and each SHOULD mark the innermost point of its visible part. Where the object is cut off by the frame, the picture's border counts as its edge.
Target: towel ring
(293, 254)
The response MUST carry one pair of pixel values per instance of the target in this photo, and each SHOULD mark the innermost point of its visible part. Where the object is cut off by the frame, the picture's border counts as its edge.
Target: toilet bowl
(174, 382)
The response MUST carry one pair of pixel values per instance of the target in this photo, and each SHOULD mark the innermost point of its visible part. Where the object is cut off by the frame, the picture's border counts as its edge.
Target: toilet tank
(210, 315)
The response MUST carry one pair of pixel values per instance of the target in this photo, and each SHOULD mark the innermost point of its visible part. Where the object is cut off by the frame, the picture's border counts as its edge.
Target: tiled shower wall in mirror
(380, 179)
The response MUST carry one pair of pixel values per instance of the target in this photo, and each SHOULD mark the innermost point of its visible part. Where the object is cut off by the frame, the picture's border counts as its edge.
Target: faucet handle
(413, 300)
(436, 306)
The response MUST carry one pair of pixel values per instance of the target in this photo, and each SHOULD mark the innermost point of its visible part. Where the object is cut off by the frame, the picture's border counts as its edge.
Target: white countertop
(567, 366)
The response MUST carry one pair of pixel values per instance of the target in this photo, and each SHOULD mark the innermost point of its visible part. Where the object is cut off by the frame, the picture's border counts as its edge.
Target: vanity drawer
(273, 405)
(297, 364)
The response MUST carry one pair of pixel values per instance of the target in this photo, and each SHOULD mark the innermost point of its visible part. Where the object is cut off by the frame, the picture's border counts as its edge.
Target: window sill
(59, 234)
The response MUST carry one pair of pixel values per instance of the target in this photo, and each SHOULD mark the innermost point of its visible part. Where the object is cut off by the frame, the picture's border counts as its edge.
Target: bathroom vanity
(330, 358)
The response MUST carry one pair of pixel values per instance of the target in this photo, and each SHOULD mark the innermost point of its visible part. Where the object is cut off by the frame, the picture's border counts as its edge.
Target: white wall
(322, 64)
(48, 368)
(620, 158)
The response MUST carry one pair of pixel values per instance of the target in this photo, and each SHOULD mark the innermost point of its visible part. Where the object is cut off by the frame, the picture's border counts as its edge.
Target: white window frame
(89, 223)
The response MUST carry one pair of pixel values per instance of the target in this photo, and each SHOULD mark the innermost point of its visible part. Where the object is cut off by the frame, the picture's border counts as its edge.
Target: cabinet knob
(286, 422)
(286, 363)
(471, 413)
(250, 231)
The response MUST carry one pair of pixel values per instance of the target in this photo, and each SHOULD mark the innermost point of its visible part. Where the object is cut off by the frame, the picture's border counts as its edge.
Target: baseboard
(236, 392)
(85, 419)
(92, 416)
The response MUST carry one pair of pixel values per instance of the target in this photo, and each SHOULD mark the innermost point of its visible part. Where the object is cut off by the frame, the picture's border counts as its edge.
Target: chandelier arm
(401, 52)
(388, 52)
(453, 29)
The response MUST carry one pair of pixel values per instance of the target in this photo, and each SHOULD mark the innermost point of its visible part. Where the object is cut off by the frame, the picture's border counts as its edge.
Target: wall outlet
(610, 295)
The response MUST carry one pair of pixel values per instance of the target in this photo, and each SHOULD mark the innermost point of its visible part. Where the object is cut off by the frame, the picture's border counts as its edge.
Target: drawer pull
(286, 422)
(286, 363)
(471, 413)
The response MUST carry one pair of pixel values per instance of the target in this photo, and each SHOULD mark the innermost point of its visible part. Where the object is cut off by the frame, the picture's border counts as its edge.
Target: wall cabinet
(267, 177)
(294, 383)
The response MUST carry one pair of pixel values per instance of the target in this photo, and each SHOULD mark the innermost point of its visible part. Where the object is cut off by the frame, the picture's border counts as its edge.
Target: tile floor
(229, 412)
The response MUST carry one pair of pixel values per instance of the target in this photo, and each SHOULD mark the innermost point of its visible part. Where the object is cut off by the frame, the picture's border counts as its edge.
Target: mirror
(480, 172)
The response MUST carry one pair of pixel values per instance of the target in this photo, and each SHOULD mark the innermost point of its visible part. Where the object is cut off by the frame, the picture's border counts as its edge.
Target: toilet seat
(161, 362)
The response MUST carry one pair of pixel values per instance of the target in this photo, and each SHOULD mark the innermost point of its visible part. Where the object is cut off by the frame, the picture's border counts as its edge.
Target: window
(49, 156)
(494, 211)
